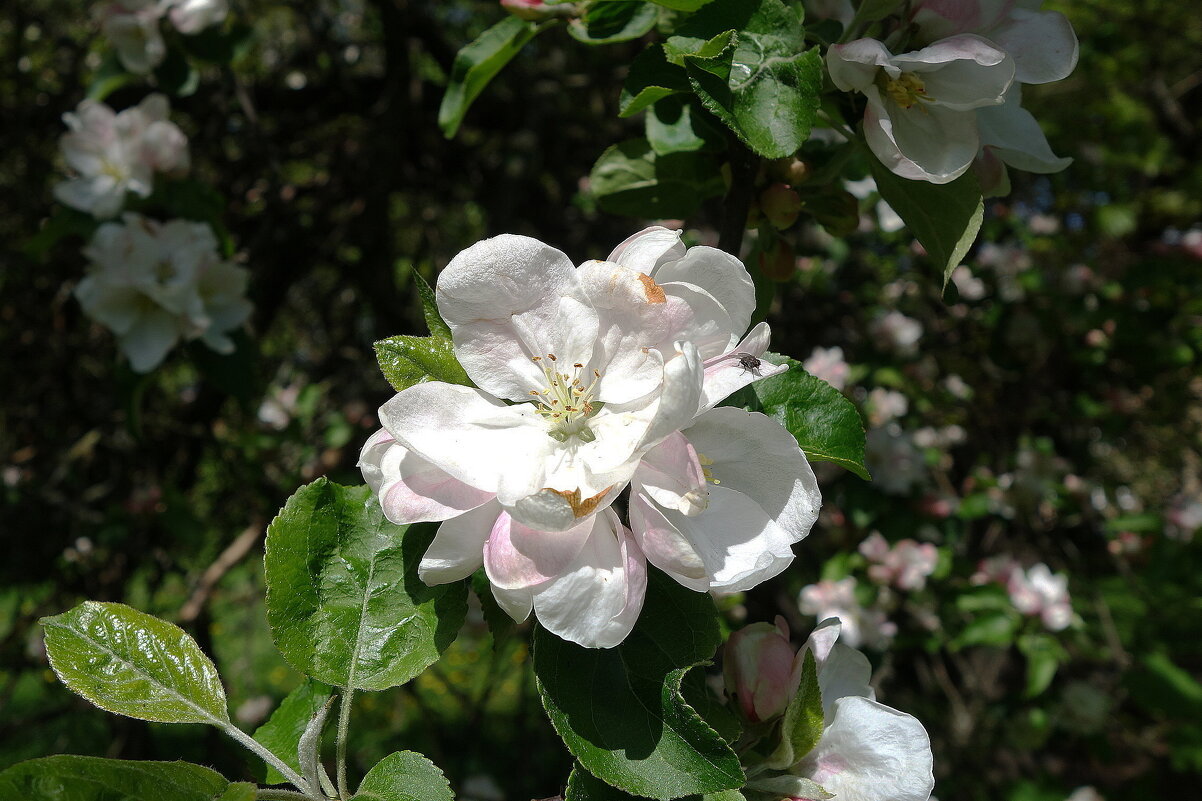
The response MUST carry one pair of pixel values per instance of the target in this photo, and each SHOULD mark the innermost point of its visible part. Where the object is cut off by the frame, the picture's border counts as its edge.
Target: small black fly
(749, 363)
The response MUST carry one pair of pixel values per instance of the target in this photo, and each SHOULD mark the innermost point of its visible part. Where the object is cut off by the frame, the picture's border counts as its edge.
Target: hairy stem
(344, 722)
(288, 773)
(270, 794)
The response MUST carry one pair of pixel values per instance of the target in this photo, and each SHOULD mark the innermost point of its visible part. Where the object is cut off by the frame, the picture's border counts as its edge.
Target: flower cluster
(153, 284)
(132, 26)
(590, 445)
(905, 565)
(866, 751)
(862, 625)
(116, 153)
(955, 101)
(1035, 592)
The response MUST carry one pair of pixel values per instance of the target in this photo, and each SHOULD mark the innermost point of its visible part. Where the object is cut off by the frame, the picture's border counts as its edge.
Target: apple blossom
(114, 153)
(867, 751)
(885, 405)
(920, 120)
(896, 332)
(1040, 593)
(1184, 516)
(895, 461)
(828, 364)
(193, 16)
(132, 27)
(153, 284)
(610, 371)
(837, 599)
(905, 565)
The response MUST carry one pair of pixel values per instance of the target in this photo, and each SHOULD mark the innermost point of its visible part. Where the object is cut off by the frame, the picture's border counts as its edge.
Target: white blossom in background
(894, 331)
(921, 119)
(1044, 49)
(861, 625)
(867, 751)
(132, 27)
(828, 364)
(895, 461)
(115, 153)
(1184, 517)
(153, 284)
(611, 371)
(969, 286)
(1085, 794)
(885, 406)
(905, 565)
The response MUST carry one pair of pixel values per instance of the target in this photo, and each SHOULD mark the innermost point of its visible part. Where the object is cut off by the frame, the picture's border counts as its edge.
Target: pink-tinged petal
(648, 249)
(757, 456)
(939, 19)
(870, 752)
(722, 276)
(477, 439)
(922, 143)
(735, 369)
(665, 546)
(673, 477)
(458, 548)
(1042, 44)
(822, 640)
(517, 556)
(853, 66)
(412, 490)
(507, 300)
(597, 599)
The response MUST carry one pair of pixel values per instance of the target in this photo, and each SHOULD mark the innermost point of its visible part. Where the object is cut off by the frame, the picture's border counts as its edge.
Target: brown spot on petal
(653, 291)
(581, 508)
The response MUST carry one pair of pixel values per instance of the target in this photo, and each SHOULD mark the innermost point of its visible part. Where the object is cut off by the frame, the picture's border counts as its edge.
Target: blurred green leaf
(176, 76)
(1161, 686)
(944, 218)
(219, 45)
(404, 776)
(64, 222)
(1044, 655)
(642, 737)
(344, 601)
(682, 5)
(631, 179)
(995, 629)
(282, 732)
(612, 21)
(131, 663)
(408, 360)
(110, 76)
(81, 778)
(826, 425)
(478, 63)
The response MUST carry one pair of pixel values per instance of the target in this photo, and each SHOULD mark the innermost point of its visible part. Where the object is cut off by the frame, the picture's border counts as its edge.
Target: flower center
(113, 170)
(566, 404)
(905, 90)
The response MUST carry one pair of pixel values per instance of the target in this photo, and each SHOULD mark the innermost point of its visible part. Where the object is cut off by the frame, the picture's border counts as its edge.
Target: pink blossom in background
(828, 364)
(861, 625)
(905, 565)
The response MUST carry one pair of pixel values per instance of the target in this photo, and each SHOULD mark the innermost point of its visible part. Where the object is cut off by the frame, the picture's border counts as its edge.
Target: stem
(268, 794)
(288, 773)
(344, 722)
(743, 165)
(847, 133)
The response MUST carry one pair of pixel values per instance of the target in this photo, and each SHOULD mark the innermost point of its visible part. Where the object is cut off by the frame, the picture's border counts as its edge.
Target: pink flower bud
(527, 9)
(762, 669)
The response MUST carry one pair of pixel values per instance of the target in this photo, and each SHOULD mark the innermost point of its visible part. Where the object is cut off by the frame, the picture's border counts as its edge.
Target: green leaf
(631, 179)
(764, 85)
(826, 425)
(478, 63)
(801, 727)
(131, 663)
(282, 732)
(790, 787)
(110, 76)
(944, 218)
(500, 624)
(176, 76)
(1044, 655)
(677, 125)
(407, 360)
(995, 629)
(218, 45)
(620, 710)
(63, 222)
(682, 5)
(651, 78)
(583, 786)
(610, 21)
(344, 601)
(438, 327)
(192, 200)
(404, 776)
(80, 778)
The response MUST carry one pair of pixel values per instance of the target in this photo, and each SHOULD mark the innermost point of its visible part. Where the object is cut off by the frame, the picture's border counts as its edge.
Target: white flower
(867, 751)
(885, 405)
(1040, 593)
(828, 364)
(153, 284)
(895, 461)
(1184, 517)
(118, 153)
(837, 599)
(905, 565)
(920, 120)
(132, 27)
(611, 370)
(193, 16)
(896, 332)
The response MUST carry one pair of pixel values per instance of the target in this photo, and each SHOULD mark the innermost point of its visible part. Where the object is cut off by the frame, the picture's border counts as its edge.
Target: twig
(743, 166)
(232, 555)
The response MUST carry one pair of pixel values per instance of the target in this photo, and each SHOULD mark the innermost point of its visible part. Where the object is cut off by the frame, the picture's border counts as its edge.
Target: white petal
(673, 477)
(707, 326)
(149, 339)
(845, 672)
(719, 274)
(100, 197)
(517, 556)
(1042, 44)
(477, 439)
(458, 548)
(1015, 137)
(822, 640)
(649, 248)
(509, 299)
(727, 374)
(757, 456)
(853, 66)
(961, 73)
(596, 601)
(870, 752)
(664, 545)
(518, 604)
(411, 489)
(680, 395)
(922, 143)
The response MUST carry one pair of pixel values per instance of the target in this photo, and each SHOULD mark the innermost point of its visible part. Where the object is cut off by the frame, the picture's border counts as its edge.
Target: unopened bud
(780, 205)
(761, 670)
